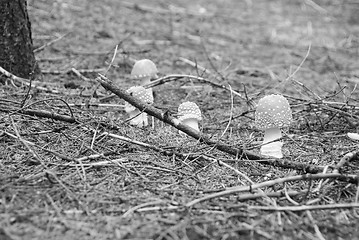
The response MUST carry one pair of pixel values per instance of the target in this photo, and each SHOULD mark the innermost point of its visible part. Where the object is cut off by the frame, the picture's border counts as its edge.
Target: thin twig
(113, 59)
(315, 226)
(80, 75)
(305, 207)
(232, 190)
(242, 197)
(93, 164)
(195, 65)
(300, 65)
(103, 105)
(25, 143)
(315, 6)
(173, 77)
(130, 211)
(171, 10)
(290, 77)
(81, 71)
(39, 49)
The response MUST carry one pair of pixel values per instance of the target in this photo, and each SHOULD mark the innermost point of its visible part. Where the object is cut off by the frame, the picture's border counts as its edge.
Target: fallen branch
(167, 118)
(237, 152)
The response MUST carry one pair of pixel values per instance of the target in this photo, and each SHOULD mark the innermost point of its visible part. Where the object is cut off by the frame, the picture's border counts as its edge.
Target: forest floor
(62, 180)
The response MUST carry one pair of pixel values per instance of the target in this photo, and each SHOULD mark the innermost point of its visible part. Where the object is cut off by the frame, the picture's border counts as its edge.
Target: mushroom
(354, 136)
(272, 113)
(137, 117)
(144, 70)
(189, 114)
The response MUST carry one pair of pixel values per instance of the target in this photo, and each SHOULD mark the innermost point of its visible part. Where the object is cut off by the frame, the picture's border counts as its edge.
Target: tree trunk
(16, 51)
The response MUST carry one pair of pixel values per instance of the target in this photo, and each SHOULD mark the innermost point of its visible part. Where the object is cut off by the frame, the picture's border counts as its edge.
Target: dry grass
(60, 180)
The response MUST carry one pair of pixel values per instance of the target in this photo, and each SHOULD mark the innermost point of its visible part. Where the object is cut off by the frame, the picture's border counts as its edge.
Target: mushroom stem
(273, 149)
(146, 80)
(137, 118)
(190, 122)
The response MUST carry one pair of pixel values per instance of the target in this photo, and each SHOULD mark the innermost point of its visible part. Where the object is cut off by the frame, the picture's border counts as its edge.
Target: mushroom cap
(144, 68)
(273, 111)
(141, 93)
(188, 110)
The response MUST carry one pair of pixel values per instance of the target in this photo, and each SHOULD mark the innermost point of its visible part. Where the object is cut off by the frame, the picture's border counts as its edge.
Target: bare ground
(51, 188)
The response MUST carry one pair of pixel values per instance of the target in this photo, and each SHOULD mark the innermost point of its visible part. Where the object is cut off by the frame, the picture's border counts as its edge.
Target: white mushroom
(354, 136)
(136, 117)
(189, 114)
(144, 70)
(272, 113)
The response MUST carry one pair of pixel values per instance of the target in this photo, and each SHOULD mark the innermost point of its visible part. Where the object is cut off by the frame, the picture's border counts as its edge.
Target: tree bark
(16, 49)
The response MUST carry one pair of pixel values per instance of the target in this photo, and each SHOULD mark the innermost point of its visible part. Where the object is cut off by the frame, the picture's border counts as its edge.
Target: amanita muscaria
(143, 71)
(273, 113)
(189, 114)
(137, 118)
